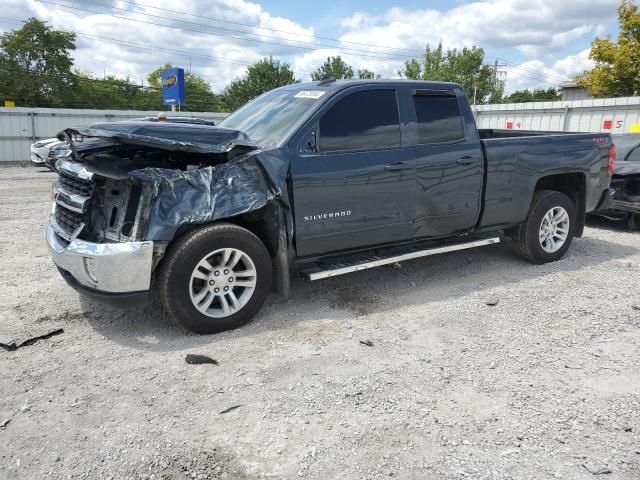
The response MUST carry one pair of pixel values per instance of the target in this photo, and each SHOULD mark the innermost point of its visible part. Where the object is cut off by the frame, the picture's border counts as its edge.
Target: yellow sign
(9, 104)
(634, 128)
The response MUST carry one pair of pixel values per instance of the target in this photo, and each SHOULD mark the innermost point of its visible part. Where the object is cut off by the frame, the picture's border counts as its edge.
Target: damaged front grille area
(96, 208)
(72, 194)
(118, 211)
(69, 221)
(75, 185)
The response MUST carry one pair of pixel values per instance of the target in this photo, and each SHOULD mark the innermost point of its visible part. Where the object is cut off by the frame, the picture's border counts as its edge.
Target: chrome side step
(341, 269)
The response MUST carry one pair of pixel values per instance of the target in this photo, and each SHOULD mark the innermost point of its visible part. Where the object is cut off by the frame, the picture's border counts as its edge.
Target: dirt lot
(546, 384)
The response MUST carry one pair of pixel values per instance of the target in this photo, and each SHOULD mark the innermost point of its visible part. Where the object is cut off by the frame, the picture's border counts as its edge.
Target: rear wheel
(547, 232)
(215, 278)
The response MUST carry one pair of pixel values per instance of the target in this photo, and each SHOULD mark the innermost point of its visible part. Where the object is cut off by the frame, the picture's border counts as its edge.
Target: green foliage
(261, 77)
(535, 95)
(617, 69)
(365, 74)
(114, 93)
(35, 65)
(334, 67)
(465, 67)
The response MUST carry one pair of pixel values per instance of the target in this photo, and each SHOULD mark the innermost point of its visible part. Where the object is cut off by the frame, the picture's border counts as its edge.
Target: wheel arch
(573, 185)
(270, 225)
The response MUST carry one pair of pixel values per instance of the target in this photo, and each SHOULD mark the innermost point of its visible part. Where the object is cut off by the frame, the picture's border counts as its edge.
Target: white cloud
(219, 50)
(549, 24)
(534, 73)
(574, 65)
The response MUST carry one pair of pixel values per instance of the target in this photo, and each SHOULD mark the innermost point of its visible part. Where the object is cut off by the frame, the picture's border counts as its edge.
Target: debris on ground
(368, 343)
(114, 397)
(5, 422)
(11, 344)
(230, 409)
(197, 359)
(492, 302)
(601, 471)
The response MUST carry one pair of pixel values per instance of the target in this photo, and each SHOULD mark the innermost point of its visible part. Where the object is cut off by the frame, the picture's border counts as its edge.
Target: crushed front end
(95, 235)
(123, 193)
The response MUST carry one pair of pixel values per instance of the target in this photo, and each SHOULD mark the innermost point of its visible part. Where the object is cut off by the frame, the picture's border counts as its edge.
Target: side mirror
(308, 144)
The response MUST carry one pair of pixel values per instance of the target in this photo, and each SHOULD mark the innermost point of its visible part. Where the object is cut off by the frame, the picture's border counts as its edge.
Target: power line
(149, 47)
(522, 71)
(312, 47)
(542, 75)
(266, 28)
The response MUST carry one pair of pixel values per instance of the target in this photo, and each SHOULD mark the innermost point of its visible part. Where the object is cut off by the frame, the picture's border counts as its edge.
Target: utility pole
(497, 65)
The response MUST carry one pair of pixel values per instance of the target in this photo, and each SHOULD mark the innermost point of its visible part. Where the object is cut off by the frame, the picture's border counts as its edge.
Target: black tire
(174, 276)
(526, 242)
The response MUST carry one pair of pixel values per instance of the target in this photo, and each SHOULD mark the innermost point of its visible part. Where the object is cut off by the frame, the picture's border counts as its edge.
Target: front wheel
(215, 278)
(547, 232)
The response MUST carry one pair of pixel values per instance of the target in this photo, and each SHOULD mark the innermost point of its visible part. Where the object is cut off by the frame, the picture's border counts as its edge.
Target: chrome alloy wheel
(222, 282)
(554, 229)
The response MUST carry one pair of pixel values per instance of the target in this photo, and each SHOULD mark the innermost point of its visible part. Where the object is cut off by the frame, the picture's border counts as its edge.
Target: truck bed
(516, 160)
(487, 133)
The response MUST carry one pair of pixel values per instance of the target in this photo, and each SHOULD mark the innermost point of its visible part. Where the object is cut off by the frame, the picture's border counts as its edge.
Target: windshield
(267, 119)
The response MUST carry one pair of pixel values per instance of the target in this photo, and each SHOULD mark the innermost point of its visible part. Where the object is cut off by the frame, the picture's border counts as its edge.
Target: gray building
(572, 91)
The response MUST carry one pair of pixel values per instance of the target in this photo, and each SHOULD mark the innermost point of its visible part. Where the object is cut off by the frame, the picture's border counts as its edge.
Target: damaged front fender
(212, 193)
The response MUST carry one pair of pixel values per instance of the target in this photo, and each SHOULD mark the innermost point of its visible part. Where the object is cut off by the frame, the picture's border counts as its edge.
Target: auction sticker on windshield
(313, 94)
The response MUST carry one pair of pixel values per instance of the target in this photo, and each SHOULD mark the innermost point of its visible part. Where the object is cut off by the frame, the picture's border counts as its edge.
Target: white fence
(20, 127)
(613, 115)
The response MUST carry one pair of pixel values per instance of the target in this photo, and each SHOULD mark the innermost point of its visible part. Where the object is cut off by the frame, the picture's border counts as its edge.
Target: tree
(333, 67)
(365, 74)
(261, 77)
(199, 97)
(535, 95)
(115, 93)
(35, 65)
(465, 67)
(617, 64)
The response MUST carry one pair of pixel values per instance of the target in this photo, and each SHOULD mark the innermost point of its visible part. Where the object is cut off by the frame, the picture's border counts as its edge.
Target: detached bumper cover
(107, 268)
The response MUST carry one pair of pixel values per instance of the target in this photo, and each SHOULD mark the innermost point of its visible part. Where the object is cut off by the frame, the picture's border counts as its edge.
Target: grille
(69, 221)
(75, 185)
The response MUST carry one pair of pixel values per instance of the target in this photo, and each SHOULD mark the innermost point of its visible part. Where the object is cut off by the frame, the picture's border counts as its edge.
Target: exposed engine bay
(126, 181)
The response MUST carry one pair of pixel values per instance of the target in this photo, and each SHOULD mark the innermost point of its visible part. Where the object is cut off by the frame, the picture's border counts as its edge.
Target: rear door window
(439, 117)
(362, 120)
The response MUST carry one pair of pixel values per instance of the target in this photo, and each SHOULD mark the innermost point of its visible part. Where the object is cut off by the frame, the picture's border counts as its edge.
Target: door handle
(466, 160)
(396, 166)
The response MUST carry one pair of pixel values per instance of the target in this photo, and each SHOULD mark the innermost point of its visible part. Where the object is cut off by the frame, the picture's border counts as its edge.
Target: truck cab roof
(337, 85)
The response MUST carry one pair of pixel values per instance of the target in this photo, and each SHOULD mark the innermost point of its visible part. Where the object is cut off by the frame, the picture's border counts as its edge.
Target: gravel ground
(545, 384)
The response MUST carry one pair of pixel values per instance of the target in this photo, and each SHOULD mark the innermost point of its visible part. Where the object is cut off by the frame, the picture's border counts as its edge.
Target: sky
(538, 43)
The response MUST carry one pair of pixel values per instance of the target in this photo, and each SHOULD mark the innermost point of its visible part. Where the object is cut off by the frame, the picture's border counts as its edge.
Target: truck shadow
(380, 290)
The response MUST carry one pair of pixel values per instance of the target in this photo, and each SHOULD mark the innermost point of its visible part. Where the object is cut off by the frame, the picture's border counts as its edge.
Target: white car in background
(40, 151)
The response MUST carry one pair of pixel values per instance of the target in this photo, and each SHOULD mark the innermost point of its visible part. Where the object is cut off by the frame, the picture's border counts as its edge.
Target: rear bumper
(103, 270)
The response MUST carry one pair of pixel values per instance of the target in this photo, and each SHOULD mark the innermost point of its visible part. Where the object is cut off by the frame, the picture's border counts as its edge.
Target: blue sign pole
(173, 91)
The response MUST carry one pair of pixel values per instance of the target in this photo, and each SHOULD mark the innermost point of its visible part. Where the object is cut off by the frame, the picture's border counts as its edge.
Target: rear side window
(361, 120)
(439, 118)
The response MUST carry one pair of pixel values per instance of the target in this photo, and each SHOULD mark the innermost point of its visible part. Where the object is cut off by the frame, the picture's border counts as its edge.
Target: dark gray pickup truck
(317, 179)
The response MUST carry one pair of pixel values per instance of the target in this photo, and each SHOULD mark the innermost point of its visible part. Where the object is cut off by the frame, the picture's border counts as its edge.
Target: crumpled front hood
(626, 168)
(201, 139)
